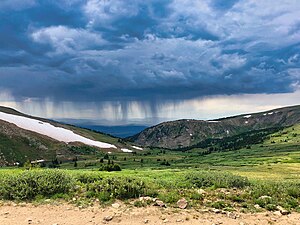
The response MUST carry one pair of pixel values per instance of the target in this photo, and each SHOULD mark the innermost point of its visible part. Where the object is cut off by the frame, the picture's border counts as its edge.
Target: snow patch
(191, 135)
(265, 114)
(246, 122)
(213, 121)
(270, 113)
(125, 150)
(47, 129)
(137, 148)
(248, 116)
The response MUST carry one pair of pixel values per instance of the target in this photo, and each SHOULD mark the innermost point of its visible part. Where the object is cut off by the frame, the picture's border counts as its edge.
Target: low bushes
(120, 188)
(222, 190)
(110, 167)
(29, 184)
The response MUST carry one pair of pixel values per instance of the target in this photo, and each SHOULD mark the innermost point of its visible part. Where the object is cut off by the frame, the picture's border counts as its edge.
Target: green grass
(232, 180)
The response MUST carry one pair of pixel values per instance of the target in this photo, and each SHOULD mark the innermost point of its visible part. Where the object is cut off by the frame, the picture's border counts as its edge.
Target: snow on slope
(137, 148)
(125, 150)
(47, 129)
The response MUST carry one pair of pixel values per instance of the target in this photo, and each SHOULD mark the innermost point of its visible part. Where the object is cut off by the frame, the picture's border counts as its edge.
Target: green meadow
(255, 178)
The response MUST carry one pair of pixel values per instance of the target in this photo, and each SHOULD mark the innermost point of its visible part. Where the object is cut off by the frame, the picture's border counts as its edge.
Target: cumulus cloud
(98, 50)
(66, 40)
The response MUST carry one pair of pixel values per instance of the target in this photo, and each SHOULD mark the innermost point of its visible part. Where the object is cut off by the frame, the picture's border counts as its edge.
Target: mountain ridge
(19, 143)
(188, 132)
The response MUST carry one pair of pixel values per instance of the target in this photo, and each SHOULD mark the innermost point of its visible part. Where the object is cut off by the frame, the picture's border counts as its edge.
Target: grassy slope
(185, 133)
(273, 168)
(19, 145)
(279, 160)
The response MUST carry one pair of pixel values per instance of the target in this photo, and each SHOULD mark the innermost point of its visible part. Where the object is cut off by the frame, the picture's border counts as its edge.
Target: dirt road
(63, 214)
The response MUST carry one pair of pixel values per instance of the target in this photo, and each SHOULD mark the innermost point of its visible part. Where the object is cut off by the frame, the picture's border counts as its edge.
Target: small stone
(116, 205)
(182, 203)
(216, 210)
(108, 218)
(257, 206)
(159, 203)
(146, 221)
(283, 211)
(232, 215)
(6, 213)
(165, 220)
(179, 220)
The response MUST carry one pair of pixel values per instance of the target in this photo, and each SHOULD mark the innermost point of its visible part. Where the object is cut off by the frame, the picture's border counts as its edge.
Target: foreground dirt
(63, 214)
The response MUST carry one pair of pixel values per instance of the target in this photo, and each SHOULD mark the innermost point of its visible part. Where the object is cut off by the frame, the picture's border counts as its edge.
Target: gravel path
(63, 214)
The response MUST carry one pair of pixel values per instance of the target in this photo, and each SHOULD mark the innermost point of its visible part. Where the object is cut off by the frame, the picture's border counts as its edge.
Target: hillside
(185, 133)
(23, 137)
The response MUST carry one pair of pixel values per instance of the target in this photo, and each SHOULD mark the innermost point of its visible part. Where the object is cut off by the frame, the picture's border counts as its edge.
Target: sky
(119, 62)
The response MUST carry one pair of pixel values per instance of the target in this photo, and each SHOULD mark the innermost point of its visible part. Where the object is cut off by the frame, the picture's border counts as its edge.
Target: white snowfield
(125, 150)
(47, 129)
(137, 148)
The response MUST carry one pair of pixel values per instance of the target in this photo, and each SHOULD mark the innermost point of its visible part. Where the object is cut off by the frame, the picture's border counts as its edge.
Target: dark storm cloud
(101, 50)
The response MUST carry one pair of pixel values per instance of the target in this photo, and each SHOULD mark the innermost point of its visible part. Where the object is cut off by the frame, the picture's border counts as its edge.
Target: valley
(252, 171)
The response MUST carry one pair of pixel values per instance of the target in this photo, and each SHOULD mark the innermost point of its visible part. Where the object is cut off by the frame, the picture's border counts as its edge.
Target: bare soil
(64, 214)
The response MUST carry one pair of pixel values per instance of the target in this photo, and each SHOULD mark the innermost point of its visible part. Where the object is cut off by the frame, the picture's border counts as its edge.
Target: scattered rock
(159, 203)
(116, 205)
(274, 219)
(257, 206)
(6, 213)
(146, 221)
(179, 220)
(165, 220)
(182, 203)
(216, 210)
(232, 215)
(108, 218)
(217, 223)
(283, 211)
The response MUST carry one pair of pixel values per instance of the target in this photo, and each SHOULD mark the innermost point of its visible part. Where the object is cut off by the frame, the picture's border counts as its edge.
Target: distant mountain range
(23, 137)
(187, 132)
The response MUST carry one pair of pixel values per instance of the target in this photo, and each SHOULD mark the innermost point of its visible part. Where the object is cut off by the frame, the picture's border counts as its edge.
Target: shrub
(29, 184)
(119, 187)
(110, 167)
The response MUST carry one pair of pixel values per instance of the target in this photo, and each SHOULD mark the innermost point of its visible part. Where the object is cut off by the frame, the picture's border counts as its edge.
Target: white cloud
(66, 40)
